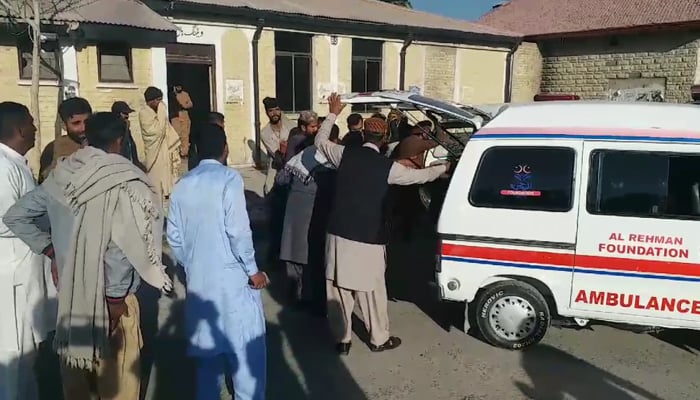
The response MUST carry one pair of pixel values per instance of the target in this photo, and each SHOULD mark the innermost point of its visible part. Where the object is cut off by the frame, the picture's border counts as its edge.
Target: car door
(637, 247)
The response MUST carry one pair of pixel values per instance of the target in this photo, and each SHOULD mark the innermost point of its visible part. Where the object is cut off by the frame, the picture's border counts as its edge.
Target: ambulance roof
(593, 119)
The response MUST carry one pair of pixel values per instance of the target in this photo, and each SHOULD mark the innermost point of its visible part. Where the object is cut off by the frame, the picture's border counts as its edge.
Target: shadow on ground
(682, 338)
(556, 374)
(411, 265)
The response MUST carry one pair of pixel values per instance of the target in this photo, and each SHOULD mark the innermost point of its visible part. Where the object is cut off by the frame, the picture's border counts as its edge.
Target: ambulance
(575, 210)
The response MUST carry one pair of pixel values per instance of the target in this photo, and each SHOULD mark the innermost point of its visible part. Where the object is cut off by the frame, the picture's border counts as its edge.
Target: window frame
(129, 61)
(593, 184)
(486, 152)
(365, 59)
(293, 55)
(26, 44)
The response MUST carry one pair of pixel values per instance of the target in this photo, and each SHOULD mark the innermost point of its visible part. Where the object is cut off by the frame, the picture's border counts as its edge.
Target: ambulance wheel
(512, 315)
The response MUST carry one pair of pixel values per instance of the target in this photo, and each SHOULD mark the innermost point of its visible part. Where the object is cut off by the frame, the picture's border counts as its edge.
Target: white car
(459, 121)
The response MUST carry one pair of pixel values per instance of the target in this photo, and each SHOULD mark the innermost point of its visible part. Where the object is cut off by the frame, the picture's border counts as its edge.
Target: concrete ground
(437, 361)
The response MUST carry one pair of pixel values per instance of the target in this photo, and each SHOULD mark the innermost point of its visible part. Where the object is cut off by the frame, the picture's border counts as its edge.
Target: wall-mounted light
(334, 40)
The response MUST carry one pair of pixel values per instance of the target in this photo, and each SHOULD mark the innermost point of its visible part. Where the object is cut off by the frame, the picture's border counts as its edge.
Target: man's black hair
(12, 115)
(425, 124)
(215, 118)
(354, 119)
(374, 138)
(335, 133)
(102, 129)
(212, 142)
(73, 106)
(353, 138)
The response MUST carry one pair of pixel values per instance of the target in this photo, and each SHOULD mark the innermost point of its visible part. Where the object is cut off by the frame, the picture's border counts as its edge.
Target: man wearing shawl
(303, 237)
(161, 144)
(106, 230)
(357, 234)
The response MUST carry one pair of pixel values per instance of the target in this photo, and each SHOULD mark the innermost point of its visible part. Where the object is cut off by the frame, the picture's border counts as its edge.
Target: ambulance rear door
(638, 239)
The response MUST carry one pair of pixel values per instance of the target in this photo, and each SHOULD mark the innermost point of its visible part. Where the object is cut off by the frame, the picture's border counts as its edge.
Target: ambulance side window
(525, 178)
(644, 184)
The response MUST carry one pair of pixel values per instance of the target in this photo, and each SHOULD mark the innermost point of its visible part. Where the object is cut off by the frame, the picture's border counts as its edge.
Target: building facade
(602, 50)
(101, 58)
(301, 60)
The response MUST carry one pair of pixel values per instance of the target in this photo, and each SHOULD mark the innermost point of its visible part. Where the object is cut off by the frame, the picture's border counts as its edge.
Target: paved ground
(437, 361)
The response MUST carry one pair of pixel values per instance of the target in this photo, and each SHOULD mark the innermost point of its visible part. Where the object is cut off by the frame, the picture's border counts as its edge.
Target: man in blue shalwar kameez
(209, 233)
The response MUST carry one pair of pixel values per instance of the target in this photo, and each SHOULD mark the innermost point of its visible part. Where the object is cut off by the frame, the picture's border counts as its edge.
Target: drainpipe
(508, 89)
(402, 66)
(256, 92)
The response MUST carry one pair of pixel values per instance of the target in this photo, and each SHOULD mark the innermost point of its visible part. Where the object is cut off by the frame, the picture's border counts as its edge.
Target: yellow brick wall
(415, 65)
(102, 95)
(344, 77)
(236, 65)
(320, 71)
(482, 76)
(14, 91)
(390, 65)
(527, 72)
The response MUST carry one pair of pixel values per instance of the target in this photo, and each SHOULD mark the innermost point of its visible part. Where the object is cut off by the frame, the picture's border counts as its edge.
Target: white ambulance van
(578, 210)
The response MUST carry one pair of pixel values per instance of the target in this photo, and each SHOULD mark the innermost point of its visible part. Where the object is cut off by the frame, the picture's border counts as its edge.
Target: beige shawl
(113, 201)
(157, 135)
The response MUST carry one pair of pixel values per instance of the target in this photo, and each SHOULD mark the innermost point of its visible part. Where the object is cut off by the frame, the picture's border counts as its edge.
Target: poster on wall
(69, 88)
(234, 91)
(637, 89)
(324, 90)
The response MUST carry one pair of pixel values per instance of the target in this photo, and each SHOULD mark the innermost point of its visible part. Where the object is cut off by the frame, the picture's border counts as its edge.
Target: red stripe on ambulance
(569, 260)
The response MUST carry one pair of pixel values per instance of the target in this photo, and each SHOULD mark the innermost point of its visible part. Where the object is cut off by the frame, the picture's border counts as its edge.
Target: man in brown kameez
(181, 122)
(357, 234)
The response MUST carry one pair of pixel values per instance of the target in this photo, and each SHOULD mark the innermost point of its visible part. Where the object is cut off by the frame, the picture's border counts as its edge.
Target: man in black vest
(357, 234)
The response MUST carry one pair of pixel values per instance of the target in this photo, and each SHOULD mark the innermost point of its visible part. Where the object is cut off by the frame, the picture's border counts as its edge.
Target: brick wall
(102, 95)
(14, 90)
(440, 71)
(527, 72)
(587, 66)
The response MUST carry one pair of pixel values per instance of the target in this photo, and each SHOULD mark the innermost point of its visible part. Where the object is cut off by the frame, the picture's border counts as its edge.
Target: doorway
(192, 67)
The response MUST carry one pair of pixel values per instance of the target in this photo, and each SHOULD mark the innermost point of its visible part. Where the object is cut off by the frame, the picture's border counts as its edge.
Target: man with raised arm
(357, 232)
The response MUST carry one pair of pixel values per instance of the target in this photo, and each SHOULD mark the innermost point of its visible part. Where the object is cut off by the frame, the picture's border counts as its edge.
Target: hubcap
(512, 318)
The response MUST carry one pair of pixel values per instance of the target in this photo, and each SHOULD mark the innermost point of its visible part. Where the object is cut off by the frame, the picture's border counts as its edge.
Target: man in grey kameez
(355, 247)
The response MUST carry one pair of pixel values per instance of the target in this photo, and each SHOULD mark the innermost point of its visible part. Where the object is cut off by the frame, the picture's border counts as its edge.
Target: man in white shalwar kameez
(24, 293)
(357, 236)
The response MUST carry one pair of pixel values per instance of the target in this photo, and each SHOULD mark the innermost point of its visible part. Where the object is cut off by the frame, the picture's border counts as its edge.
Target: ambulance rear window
(525, 178)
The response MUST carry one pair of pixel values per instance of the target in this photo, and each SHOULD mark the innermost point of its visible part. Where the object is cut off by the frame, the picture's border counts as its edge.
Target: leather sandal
(390, 344)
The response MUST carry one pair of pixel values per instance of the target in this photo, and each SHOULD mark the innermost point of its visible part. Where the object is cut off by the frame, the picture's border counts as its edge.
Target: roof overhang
(628, 30)
(272, 19)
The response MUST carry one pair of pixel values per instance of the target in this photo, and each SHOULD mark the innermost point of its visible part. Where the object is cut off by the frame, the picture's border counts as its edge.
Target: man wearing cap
(161, 143)
(357, 234)
(129, 148)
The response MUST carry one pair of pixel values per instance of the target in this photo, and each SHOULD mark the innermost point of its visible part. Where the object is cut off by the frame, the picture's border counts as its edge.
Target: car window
(644, 184)
(525, 178)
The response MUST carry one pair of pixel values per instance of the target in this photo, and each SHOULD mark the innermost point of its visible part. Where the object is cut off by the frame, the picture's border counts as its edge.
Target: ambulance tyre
(512, 315)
